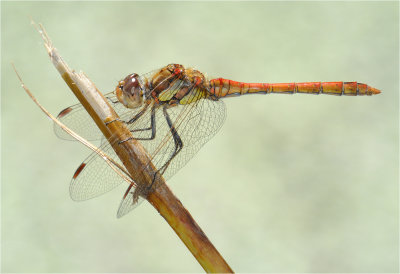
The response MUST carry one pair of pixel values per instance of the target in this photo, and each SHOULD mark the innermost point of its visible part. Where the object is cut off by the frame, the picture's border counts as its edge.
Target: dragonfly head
(130, 92)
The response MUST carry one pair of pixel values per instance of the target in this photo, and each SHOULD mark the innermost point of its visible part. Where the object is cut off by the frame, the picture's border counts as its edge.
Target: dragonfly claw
(120, 142)
(109, 122)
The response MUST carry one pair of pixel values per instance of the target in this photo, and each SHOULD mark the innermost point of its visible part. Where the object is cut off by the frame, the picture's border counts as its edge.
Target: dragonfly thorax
(130, 91)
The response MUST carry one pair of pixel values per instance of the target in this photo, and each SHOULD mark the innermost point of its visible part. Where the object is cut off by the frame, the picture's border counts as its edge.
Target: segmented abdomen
(224, 88)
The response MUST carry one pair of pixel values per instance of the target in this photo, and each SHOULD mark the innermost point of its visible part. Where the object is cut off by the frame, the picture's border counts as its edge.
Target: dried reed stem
(134, 157)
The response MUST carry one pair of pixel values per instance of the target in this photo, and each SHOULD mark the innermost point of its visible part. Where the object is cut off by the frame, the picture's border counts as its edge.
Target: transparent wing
(129, 202)
(161, 130)
(94, 176)
(196, 123)
(76, 118)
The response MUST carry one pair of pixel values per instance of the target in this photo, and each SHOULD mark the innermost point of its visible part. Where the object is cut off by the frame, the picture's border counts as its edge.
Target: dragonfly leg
(178, 145)
(152, 124)
(109, 122)
(138, 115)
(114, 102)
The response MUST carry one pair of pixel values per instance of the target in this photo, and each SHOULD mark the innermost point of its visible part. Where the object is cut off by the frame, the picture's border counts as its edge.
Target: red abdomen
(224, 88)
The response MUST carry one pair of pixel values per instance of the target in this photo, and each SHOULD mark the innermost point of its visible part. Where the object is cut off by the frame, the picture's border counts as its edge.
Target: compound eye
(131, 83)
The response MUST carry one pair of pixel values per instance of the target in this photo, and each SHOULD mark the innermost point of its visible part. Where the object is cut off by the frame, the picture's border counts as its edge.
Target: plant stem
(134, 157)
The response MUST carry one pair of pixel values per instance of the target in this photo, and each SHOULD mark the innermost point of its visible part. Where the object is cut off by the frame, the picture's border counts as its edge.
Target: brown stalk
(134, 157)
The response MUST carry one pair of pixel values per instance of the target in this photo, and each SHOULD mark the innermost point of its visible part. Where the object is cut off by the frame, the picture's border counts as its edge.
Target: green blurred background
(290, 184)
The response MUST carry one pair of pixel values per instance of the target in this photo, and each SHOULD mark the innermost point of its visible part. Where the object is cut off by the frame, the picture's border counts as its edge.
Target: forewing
(196, 123)
(94, 176)
(76, 118)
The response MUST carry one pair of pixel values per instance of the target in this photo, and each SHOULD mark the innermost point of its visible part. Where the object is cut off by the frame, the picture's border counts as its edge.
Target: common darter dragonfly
(173, 111)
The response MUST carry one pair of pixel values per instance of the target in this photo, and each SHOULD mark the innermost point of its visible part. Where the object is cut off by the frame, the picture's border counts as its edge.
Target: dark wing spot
(64, 112)
(78, 170)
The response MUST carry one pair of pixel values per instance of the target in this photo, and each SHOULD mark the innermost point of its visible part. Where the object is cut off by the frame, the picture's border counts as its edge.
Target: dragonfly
(173, 112)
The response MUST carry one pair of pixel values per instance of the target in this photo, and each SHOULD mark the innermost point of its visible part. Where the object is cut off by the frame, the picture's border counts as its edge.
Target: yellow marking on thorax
(193, 96)
(167, 94)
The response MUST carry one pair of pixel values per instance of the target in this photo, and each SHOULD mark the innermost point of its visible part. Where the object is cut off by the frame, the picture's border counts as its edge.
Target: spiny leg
(152, 124)
(137, 116)
(177, 141)
(109, 99)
